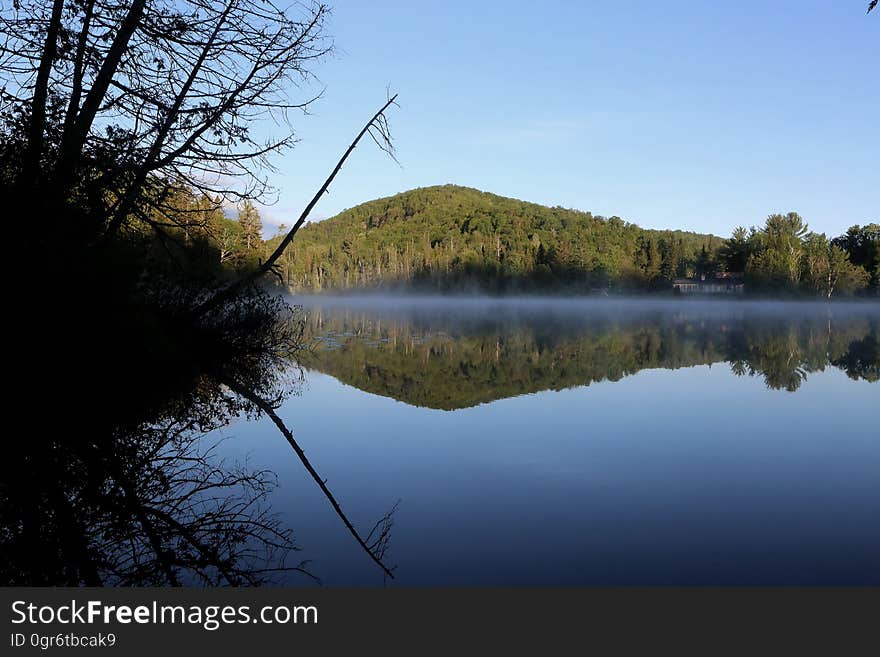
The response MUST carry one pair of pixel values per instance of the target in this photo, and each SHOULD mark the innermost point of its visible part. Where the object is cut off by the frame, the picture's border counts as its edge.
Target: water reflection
(690, 463)
(121, 483)
(117, 485)
(156, 509)
(452, 355)
(113, 485)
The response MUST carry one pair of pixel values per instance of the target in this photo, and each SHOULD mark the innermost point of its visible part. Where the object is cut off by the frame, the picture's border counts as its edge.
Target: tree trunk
(41, 95)
(74, 139)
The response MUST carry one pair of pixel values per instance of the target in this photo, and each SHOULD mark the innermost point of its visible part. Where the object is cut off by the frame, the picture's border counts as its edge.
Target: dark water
(603, 442)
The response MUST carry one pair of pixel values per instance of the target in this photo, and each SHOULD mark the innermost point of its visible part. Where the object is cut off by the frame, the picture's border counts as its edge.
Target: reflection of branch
(384, 524)
(378, 548)
(137, 510)
(66, 519)
(176, 518)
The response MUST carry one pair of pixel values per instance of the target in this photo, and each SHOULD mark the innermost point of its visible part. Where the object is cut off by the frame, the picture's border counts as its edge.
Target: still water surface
(585, 442)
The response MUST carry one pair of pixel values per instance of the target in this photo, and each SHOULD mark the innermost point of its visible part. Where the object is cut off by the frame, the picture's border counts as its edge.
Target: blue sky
(695, 115)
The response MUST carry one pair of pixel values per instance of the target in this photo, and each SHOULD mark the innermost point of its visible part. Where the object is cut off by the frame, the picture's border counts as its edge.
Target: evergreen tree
(735, 253)
(251, 225)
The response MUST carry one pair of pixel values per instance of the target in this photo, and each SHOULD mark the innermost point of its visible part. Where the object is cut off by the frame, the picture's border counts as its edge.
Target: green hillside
(450, 237)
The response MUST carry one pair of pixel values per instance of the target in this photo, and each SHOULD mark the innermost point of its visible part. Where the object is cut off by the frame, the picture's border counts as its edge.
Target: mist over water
(473, 309)
(472, 302)
(474, 350)
(588, 441)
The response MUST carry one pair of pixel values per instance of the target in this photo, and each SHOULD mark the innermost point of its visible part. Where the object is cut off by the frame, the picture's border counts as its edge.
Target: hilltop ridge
(449, 237)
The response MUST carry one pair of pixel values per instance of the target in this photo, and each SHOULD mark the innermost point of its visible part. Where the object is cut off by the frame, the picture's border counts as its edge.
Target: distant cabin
(723, 282)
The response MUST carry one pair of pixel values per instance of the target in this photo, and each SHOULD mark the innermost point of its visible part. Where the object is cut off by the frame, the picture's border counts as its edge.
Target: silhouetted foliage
(113, 105)
(125, 491)
(125, 129)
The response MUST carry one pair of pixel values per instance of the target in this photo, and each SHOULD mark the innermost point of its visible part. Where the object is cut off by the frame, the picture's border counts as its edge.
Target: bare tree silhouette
(139, 97)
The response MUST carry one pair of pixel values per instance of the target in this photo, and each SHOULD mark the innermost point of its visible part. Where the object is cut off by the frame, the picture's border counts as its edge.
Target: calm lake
(591, 442)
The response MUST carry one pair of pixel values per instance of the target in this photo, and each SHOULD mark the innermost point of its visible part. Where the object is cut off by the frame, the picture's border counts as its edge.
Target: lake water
(595, 442)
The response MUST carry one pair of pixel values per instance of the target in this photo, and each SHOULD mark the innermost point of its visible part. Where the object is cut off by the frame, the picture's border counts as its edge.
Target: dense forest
(451, 238)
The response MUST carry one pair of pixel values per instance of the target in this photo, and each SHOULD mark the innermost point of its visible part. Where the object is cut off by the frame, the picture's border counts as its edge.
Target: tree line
(784, 256)
(451, 238)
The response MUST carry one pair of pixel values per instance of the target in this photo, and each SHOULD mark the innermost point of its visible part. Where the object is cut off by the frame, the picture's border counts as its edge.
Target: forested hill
(452, 238)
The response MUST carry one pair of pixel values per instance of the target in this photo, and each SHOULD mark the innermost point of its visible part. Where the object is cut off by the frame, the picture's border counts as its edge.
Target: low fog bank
(472, 306)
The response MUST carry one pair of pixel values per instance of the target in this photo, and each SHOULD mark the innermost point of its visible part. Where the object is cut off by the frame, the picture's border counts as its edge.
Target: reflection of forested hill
(456, 364)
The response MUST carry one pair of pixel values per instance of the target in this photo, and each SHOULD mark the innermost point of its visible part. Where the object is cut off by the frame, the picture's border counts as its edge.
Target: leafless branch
(378, 129)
